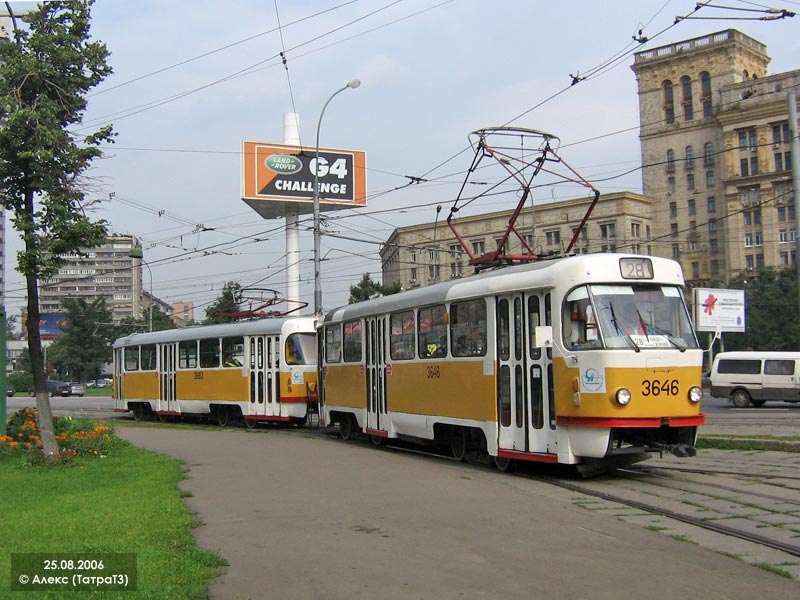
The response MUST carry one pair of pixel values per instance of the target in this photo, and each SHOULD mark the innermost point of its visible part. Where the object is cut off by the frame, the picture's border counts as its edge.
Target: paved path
(299, 516)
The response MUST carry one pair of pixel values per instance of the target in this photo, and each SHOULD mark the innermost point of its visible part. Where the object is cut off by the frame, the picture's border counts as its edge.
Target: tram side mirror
(543, 335)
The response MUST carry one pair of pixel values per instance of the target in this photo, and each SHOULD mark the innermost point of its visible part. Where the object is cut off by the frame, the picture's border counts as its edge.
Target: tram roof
(268, 326)
(562, 271)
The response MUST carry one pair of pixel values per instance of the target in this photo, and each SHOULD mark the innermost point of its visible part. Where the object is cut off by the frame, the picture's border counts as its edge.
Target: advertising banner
(719, 310)
(281, 174)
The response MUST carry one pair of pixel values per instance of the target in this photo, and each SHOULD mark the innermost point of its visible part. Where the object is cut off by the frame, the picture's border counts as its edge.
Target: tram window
(518, 329)
(534, 320)
(233, 351)
(578, 321)
(352, 341)
(432, 329)
(187, 355)
(149, 357)
(333, 344)
(132, 358)
(468, 328)
(504, 396)
(301, 349)
(401, 340)
(209, 353)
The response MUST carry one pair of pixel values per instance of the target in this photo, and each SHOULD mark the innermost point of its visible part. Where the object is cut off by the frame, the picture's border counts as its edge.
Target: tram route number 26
(434, 372)
(656, 387)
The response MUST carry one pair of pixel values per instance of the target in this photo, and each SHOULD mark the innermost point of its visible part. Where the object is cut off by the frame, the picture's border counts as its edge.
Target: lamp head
(354, 83)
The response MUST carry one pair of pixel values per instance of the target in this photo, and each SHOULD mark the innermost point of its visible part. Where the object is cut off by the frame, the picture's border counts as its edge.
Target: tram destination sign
(719, 310)
(278, 179)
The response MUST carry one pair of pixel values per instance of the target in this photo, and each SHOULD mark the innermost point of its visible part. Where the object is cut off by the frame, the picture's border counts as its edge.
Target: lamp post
(136, 252)
(317, 285)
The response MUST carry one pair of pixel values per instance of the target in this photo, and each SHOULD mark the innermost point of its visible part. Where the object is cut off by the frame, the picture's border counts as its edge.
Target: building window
(709, 178)
(757, 239)
(456, 269)
(759, 261)
(671, 185)
(676, 250)
(670, 160)
(748, 261)
(712, 225)
(743, 167)
(783, 192)
(412, 276)
(748, 139)
(669, 103)
(689, 157)
(553, 238)
(673, 229)
(608, 230)
(753, 165)
(782, 236)
(714, 267)
(783, 161)
(636, 230)
(696, 270)
(750, 196)
(780, 133)
(686, 91)
(784, 259)
(478, 248)
(691, 207)
(708, 155)
(705, 94)
(690, 182)
(711, 204)
(748, 240)
(673, 210)
(713, 246)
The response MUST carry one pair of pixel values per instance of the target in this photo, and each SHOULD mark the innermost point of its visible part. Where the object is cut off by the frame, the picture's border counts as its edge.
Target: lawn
(127, 502)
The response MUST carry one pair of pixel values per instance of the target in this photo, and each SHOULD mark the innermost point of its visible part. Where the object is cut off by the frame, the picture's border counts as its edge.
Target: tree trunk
(46, 430)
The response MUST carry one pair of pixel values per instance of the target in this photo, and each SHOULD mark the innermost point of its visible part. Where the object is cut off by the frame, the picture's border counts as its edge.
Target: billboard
(719, 310)
(51, 325)
(278, 179)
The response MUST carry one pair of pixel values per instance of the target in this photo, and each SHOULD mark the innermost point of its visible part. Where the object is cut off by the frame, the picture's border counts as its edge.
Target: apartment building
(715, 149)
(419, 255)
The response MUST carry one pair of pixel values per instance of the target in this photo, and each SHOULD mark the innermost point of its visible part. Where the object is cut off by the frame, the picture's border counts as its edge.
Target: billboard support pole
(291, 137)
(791, 98)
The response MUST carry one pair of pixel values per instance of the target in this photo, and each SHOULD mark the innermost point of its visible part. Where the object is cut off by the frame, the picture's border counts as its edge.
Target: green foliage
(85, 345)
(771, 311)
(367, 288)
(225, 305)
(129, 325)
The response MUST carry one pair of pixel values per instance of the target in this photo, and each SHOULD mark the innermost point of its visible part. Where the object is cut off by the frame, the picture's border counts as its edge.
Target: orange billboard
(277, 178)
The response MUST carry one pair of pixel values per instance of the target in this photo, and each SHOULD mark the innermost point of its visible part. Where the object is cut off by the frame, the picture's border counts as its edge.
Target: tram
(257, 371)
(587, 360)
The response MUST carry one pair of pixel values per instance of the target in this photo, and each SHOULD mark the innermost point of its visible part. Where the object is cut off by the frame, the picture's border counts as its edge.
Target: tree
(46, 71)
(85, 346)
(129, 325)
(367, 288)
(771, 311)
(225, 305)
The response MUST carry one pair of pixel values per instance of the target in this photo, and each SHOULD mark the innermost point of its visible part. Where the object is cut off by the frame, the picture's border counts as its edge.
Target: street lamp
(136, 252)
(317, 285)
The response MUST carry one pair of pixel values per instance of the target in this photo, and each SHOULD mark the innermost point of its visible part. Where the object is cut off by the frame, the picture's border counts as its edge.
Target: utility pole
(791, 99)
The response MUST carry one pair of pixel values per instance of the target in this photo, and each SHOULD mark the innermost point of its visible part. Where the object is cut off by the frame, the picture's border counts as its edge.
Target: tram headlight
(695, 394)
(623, 396)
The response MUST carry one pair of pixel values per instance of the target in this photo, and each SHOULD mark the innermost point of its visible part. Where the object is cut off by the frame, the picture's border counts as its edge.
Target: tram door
(258, 375)
(168, 358)
(511, 405)
(376, 373)
(539, 373)
(119, 392)
(272, 369)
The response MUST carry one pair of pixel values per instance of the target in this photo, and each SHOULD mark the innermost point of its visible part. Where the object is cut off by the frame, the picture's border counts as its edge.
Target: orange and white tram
(588, 360)
(260, 370)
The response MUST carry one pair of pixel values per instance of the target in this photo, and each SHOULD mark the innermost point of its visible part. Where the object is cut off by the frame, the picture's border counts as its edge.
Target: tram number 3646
(656, 387)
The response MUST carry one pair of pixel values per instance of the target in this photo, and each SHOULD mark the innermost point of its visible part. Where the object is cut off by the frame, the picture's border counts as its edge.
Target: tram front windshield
(640, 317)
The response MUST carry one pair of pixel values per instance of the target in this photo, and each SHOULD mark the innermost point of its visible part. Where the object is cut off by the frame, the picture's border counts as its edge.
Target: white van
(747, 378)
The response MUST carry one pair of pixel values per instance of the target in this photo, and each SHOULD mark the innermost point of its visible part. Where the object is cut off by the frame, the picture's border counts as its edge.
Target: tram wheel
(740, 399)
(458, 443)
(138, 412)
(250, 423)
(377, 440)
(346, 428)
(503, 464)
(223, 415)
(163, 418)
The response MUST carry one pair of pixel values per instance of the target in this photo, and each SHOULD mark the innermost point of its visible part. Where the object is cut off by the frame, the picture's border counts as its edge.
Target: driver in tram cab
(231, 361)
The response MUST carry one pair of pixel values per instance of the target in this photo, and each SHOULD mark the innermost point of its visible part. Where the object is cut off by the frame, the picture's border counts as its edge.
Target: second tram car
(259, 371)
(588, 360)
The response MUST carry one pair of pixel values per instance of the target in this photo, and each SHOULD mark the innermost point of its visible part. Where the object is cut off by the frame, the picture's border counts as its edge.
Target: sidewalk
(309, 517)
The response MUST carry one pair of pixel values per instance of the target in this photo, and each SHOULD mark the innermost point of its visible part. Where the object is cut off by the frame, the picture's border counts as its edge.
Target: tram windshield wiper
(669, 336)
(622, 330)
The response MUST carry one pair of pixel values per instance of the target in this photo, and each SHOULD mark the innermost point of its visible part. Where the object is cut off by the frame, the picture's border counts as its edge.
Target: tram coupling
(679, 450)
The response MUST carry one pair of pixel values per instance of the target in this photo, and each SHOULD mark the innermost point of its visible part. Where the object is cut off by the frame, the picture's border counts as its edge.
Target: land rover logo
(283, 164)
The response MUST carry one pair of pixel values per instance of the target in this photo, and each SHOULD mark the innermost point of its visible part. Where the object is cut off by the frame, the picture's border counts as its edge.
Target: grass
(128, 502)
(783, 444)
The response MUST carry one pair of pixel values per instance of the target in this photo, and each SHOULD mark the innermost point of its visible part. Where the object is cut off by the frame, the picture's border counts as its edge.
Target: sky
(193, 79)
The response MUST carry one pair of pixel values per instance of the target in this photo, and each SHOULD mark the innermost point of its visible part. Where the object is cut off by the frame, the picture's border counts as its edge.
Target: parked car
(76, 389)
(10, 390)
(55, 388)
